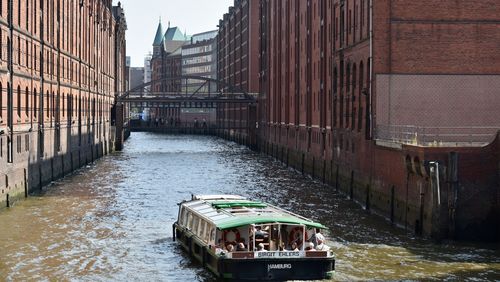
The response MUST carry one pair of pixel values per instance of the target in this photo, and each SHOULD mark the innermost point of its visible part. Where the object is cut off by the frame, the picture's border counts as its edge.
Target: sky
(192, 16)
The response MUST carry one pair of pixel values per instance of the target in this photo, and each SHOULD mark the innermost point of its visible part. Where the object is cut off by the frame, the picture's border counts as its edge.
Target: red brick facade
(61, 64)
(238, 64)
(238, 46)
(318, 103)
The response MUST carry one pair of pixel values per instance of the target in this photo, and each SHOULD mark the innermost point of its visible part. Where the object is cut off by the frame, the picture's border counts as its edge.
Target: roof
(175, 34)
(159, 35)
(228, 212)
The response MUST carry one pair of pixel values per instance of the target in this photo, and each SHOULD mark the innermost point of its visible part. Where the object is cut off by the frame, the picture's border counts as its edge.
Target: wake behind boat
(240, 239)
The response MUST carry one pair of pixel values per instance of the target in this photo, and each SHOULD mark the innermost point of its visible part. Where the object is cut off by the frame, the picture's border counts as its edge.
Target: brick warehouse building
(238, 63)
(61, 63)
(393, 102)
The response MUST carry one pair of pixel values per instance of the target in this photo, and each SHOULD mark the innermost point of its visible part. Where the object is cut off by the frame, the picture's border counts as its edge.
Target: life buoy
(231, 236)
(296, 236)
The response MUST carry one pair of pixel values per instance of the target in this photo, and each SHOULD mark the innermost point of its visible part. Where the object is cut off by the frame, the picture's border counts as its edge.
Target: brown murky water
(112, 220)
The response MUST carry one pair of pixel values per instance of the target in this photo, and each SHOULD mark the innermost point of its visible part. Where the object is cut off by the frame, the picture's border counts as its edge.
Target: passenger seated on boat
(241, 247)
(220, 252)
(294, 247)
(321, 246)
(309, 246)
(317, 236)
(260, 248)
(230, 248)
(259, 233)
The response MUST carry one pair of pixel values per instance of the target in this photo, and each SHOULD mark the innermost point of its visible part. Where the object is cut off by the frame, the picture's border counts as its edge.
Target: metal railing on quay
(437, 136)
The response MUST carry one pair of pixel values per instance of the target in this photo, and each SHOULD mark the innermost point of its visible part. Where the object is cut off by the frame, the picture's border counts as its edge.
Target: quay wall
(33, 169)
(460, 202)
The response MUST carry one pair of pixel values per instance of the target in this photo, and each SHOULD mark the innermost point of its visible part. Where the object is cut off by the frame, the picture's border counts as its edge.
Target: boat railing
(277, 254)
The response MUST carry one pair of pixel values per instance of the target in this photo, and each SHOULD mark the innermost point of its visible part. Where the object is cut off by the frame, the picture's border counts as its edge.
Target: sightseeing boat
(240, 239)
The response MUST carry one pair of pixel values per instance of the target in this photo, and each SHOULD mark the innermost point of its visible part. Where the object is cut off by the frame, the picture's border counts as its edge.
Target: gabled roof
(159, 35)
(175, 34)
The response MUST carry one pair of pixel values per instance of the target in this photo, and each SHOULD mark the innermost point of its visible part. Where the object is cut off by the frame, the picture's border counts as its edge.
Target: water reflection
(112, 220)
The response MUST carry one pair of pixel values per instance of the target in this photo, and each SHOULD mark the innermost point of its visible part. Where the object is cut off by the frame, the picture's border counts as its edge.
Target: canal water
(112, 220)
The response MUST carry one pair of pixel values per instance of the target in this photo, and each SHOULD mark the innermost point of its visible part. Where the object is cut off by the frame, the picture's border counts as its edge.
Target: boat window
(207, 233)
(201, 230)
(185, 219)
(212, 235)
(190, 220)
(195, 224)
(181, 216)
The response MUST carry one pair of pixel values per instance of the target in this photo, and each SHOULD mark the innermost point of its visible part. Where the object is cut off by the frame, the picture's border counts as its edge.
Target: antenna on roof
(168, 24)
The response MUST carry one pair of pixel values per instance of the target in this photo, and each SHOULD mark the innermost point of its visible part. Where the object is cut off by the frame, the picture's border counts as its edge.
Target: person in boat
(294, 247)
(241, 247)
(219, 248)
(309, 246)
(321, 246)
(230, 248)
(259, 233)
(317, 236)
(260, 248)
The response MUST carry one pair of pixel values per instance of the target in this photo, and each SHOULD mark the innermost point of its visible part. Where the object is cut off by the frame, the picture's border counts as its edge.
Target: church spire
(159, 34)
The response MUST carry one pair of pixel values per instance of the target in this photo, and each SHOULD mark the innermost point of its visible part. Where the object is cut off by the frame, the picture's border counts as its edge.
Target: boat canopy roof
(228, 212)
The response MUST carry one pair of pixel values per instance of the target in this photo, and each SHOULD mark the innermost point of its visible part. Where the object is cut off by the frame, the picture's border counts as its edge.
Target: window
(26, 102)
(1, 100)
(19, 50)
(18, 143)
(360, 91)
(1, 36)
(190, 220)
(47, 106)
(53, 104)
(19, 101)
(35, 103)
(353, 107)
(27, 13)
(27, 142)
(195, 224)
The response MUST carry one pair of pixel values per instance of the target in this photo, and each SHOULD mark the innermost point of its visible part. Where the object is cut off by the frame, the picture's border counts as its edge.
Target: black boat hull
(279, 269)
